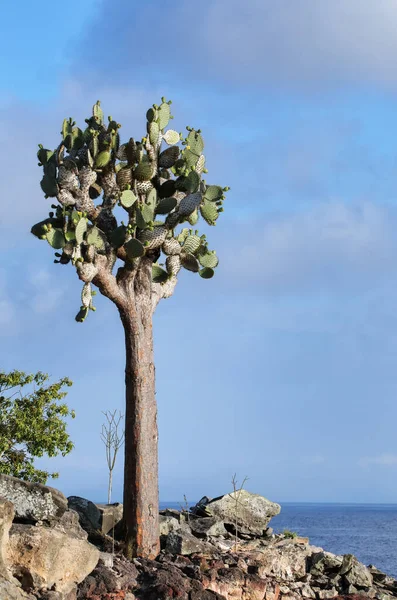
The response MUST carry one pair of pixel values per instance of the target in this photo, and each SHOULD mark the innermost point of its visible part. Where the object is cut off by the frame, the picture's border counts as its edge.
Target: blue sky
(283, 367)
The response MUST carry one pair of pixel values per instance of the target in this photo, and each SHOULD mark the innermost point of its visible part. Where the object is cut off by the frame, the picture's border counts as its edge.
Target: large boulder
(48, 558)
(96, 517)
(185, 543)
(250, 512)
(10, 590)
(32, 501)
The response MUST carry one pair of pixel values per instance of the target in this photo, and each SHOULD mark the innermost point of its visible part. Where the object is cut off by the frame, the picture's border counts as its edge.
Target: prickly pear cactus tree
(157, 186)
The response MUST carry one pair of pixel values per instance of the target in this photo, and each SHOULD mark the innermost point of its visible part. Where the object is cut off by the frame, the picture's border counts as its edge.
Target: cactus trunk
(141, 503)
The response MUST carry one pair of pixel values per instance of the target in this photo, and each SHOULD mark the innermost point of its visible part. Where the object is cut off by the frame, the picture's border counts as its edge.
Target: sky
(283, 367)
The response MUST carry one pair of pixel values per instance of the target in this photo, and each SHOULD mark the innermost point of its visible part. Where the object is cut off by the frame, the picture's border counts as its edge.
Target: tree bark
(141, 502)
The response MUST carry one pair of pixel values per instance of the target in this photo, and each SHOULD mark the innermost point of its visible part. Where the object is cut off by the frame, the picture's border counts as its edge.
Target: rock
(307, 592)
(111, 514)
(89, 513)
(171, 512)
(32, 501)
(70, 523)
(325, 562)
(12, 591)
(355, 573)
(168, 524)
(96, 517)
(207, 526)
(378, 576)
(103, 581)
(287, 561)
(183, 542)
(253, 513)
(45, 558)
(6, 518)
(324, 594)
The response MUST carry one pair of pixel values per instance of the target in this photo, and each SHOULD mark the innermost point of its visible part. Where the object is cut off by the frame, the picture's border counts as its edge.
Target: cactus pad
(143, 171)
(173, 264)
(213, 193)
(155, 238)
(209, 212)
(55, 238)
(80, 230)
(206, 273)
(169, 157)
(189, 204)
(158, 274)
(127, 199)
(171, 137)
(134, 248)
(166, 205)
(171, 247)
(191, 244)
(190, 262)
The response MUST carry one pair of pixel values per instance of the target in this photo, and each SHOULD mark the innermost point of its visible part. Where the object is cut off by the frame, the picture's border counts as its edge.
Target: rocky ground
(53, 548)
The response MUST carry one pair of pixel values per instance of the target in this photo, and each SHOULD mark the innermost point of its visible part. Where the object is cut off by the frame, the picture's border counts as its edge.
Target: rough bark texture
(141, 434)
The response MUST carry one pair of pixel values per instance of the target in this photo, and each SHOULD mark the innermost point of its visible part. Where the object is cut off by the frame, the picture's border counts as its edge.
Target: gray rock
(11, 590)
(306, 591)
(171, 512)
(207, 526)
(89, 513)
(378, 576)
(321, 562)
(355, 573)
(168, 524)
(252, 512)
(32, 501)
(96, 517)
(324, 594)
(111, 514)
(183, 542)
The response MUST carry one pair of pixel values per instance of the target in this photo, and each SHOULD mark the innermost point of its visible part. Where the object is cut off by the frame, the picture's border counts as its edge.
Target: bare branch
(113, 441)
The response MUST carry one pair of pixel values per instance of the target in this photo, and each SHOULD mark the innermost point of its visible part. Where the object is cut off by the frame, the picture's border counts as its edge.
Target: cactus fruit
(209, 212)
(80, 230)
(171, 137)
(134, 248)
(171, 247)
(166, 205)
(153, 239)
(169, 157)
(190, 262)
(173, 264)
(55, 238)
(97, 112)
(127, 199)
(213, 193)
(206, 273)
(208, 259)
(158, 274)
(189, 204)
(191, 244)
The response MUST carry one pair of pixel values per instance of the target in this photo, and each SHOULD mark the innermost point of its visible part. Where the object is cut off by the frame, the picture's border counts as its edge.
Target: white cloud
(302, 42)
(386, 460)
(331, 246)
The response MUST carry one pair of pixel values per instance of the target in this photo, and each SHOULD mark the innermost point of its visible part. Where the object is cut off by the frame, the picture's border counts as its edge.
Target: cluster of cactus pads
(91, 173)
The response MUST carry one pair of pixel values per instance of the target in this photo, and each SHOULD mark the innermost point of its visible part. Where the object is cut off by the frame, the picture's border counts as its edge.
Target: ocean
(369, 531)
